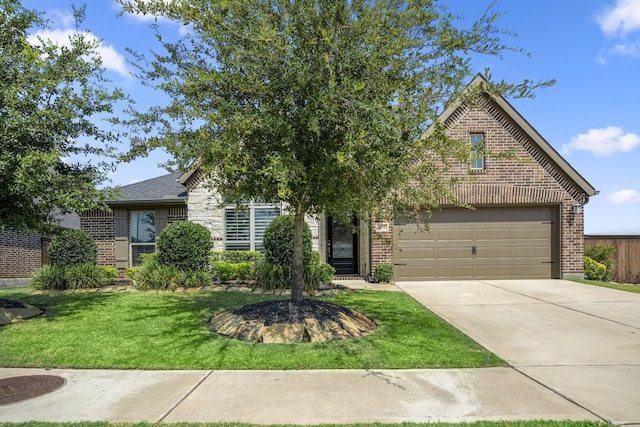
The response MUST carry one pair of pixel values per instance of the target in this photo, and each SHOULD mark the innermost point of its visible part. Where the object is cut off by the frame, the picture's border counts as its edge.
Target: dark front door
(342, 247)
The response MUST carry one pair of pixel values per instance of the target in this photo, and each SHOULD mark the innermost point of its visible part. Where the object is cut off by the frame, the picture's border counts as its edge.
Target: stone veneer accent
(204, 208)
(532, 179)
(20, 254)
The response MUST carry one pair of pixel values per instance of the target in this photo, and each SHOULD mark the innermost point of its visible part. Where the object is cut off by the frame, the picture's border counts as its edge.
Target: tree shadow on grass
(57, 304)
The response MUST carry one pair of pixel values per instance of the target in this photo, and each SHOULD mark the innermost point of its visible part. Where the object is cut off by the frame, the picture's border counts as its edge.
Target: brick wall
(530, 178)
(101, 226)
(20, 254)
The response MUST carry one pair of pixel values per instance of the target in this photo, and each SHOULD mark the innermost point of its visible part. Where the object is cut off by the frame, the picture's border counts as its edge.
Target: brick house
(528, 220)
(21, 254)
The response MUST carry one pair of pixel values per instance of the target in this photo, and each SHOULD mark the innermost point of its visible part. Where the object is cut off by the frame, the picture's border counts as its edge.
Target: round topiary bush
(185, 246)
(72, 247)
(278, 241)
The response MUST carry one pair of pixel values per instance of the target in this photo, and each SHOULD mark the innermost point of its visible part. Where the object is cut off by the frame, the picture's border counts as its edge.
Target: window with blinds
(244, 227)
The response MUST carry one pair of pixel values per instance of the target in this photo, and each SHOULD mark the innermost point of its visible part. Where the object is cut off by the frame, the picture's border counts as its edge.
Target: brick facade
(101, 226)
(20, 254)
(529, 178)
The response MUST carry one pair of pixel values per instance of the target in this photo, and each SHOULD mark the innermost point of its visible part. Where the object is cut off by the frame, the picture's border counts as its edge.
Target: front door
(342, 247)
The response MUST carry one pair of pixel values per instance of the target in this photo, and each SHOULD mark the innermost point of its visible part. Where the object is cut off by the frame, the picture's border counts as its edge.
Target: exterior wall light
(576, 209)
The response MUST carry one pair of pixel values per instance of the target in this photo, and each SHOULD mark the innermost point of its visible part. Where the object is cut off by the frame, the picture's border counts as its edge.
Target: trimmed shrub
(152, 275)
(48, 277)
(383, 273)
(84, 276)
(185, 246)
(81, 276)
(225, 270)
(593, 270)
(110, 273)
(273, 276)
(278, 241)
(194, 279)
(319, 274)
(72, 247)
(237, 256)
(603, 255)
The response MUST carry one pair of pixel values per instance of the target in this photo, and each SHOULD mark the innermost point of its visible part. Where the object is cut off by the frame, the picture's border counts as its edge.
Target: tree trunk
(297, 263)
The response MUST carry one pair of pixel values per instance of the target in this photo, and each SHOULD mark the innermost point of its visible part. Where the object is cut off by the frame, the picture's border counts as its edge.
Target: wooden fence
(626, 255)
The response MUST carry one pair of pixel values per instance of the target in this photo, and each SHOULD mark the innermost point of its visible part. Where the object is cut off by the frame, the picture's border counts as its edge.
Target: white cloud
(626, 49)
(624, 196)
(111, 59)
(621, 19)
(605, 141)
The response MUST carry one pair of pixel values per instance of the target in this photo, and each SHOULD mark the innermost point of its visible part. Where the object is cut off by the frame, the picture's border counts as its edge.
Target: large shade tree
(51, 96)
(321, 104)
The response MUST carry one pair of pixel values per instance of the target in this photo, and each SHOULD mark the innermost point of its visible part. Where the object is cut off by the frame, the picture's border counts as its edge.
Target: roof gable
(507, 110)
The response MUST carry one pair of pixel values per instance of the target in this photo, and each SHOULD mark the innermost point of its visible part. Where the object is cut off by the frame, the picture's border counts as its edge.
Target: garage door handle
(548, 262)
(399, 264)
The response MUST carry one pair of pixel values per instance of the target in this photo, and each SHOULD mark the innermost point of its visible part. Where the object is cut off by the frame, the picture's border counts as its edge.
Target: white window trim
(132, 243)
(251, 207)
(473, 162)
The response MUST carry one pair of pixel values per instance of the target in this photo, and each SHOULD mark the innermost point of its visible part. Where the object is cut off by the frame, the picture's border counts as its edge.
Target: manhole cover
(17, 389)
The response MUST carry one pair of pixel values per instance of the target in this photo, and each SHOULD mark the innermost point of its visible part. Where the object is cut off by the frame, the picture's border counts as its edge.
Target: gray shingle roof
(163, 189)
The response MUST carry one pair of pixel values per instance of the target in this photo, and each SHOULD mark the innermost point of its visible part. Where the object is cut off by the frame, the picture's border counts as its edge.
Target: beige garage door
(486, 243)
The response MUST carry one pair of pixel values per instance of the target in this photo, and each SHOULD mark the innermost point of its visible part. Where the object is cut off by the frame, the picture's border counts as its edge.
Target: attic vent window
(477, 151)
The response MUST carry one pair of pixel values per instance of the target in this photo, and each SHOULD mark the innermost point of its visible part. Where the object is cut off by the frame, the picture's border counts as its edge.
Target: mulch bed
(284, 322)
(270, 312)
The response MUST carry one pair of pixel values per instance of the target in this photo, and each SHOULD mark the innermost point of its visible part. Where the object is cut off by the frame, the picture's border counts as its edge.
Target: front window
(244, 227)
(477, 151)
(142, 229)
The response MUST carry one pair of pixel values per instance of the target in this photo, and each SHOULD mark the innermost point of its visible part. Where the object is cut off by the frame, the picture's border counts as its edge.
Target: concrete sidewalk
(292, 397)
(581, 341)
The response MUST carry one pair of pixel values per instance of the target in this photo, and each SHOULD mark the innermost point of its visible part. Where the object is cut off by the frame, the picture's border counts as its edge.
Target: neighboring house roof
(70, 220)
(164, 189)
(520, 121)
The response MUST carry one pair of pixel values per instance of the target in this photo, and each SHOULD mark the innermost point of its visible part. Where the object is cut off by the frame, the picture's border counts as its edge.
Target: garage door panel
(498, 252)
(444, 253)
(415, 254)
(493, 272)
(530, 233)
(416, 272)
(410, 233)
(455, 235)
(447, 272)
(508, 243)
(541, 252)
(526, 271)
(501, 233)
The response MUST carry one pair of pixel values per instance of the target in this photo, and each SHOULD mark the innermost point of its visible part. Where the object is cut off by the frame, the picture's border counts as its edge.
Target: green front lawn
(618, 286)
(130, 330)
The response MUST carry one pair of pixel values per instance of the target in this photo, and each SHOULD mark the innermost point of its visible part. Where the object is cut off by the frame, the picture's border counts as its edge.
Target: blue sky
(591, 116)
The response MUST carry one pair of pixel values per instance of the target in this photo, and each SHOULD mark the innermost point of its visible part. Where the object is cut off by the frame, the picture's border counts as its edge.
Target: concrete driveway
(580, 341)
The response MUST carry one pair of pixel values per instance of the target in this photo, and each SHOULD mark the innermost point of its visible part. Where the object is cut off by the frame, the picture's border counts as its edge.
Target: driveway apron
(580, 341)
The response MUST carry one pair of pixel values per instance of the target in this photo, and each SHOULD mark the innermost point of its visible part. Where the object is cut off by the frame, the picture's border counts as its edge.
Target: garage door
(486, 243)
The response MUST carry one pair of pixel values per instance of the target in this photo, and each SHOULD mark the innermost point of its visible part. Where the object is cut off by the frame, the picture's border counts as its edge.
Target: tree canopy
(50, 97)
(321, 104)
